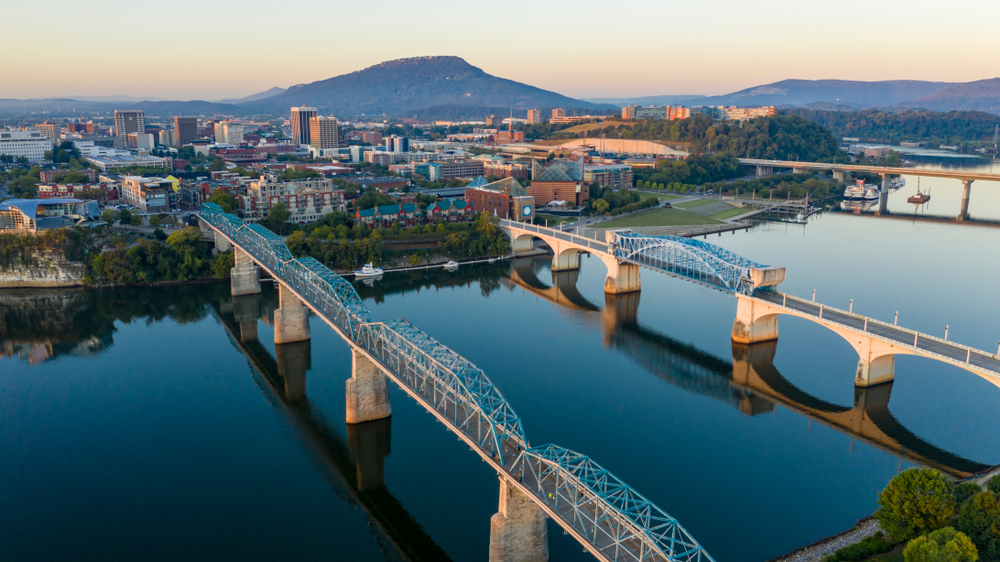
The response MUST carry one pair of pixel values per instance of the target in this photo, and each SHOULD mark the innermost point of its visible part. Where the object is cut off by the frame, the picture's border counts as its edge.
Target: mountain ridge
(400, 86)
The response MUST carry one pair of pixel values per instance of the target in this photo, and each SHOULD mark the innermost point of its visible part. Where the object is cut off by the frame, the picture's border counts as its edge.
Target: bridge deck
(922, 344)
(952, 174)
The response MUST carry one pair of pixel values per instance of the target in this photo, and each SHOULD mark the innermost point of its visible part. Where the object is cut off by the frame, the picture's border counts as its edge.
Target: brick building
(404, 214)
(562, 180)
(308, 200)
(505, 198)
(49, 176)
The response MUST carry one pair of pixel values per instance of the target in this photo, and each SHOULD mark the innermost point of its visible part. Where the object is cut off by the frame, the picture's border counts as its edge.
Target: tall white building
(229, 132)
(27, 144)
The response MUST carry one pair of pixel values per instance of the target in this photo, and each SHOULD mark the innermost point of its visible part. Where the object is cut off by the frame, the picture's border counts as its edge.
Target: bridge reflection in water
(354, 468)
(750, 382)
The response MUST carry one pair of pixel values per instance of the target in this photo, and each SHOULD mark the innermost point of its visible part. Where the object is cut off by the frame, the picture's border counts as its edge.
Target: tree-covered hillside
(781, 137)
(949, 128)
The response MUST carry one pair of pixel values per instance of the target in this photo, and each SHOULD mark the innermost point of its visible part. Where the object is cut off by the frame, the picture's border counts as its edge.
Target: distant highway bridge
(767, 167)
(610, 519)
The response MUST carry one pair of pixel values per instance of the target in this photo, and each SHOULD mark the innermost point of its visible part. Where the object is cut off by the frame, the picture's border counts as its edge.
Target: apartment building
(149, 195)
(31, 145)
(307, 200)
(615, 176)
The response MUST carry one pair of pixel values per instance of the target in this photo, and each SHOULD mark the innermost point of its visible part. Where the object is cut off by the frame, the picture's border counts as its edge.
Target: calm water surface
(152, 423)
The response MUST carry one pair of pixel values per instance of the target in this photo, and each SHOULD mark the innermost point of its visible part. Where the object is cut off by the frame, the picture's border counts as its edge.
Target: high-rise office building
(397, 144)
(185, 130)
(558, 112)
(300, 124)
(324, 132)
(229, 132)
(130, 121)
(50, 130)
(534, 116)
(373, 138)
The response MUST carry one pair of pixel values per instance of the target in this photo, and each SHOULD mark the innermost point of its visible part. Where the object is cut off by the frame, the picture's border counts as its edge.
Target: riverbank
(819, 550)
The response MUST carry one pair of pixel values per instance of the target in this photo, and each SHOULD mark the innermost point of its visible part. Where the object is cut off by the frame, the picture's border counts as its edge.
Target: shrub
(943, 545)
(870, 546)
(916, 501)
(979, 518)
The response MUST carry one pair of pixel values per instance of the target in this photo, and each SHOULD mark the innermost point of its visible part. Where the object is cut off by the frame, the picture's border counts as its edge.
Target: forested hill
(950, 128)
(782, 137)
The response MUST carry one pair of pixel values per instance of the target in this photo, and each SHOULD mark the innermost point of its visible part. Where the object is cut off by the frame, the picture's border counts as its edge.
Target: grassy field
(594, 126)
(695, 203)
(731, 213)
(659, 217)
(554, 220)
(647, 195)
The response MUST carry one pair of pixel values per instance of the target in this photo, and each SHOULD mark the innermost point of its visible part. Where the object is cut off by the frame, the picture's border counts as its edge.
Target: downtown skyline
(551, 47)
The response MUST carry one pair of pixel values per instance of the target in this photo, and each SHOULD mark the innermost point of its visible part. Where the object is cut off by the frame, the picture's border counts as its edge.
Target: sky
(206, 49)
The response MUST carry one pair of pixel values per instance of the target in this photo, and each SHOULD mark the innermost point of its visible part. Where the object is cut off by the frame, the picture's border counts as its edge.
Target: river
(148, 423)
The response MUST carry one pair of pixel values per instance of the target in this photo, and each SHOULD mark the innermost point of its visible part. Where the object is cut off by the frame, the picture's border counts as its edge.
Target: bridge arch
(757, 321)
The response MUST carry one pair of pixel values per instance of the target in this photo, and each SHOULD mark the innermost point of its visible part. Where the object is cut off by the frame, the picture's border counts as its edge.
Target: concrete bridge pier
(518, 532)
(294, 361)
(245, 276)
(291, 319)
(765, 171)
(367, 391)
(622, 277)
(246, 312)
(876, 363)
(800, 171)
(522, 244)
(564, 258)
(755, 322)
(883, 199)
(369, 444)
(838, 175)
(221, 243)
(963, 215)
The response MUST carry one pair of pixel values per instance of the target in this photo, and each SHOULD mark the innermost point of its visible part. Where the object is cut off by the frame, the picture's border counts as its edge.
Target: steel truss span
(613, 517)
(616, 521)
(691, 259)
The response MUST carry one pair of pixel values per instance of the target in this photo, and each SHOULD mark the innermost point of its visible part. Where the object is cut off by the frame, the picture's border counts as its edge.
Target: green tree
(217, 165)
(159, 235)
(601, 206)
(109, 216)
(135, 220)
(224, 200)
(154, 220)
(917, 500)
(943, 545)
(965, 491)
(277, 218)
(993, 484)
(125, 217)
(223, 264)
(979, 518)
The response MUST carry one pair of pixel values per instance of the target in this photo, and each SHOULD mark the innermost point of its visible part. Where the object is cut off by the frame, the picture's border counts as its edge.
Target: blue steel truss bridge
(609, 518)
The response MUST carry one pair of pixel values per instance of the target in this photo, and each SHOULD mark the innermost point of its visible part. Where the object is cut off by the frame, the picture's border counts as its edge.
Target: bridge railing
(867, 321)
(551, 232)
(610, 515)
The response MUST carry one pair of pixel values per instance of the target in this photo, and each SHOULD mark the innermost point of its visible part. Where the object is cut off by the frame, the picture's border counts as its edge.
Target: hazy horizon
(188, 50)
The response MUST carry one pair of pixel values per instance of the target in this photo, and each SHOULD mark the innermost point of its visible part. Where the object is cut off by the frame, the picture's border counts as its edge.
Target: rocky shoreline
(819, 550)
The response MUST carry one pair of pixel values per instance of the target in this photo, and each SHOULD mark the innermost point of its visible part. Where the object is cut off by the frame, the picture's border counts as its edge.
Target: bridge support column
(876, 362)
(838, 175)
(963, 215)
(622, 277)
(883, 198)
(294, 361)
(367, 391)
(754, 323)
(565, 259)
(246, 312)
(369, 444)
(245, 276)
(221, 243)
(518, 532)
(522, 244)
(291, 319)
